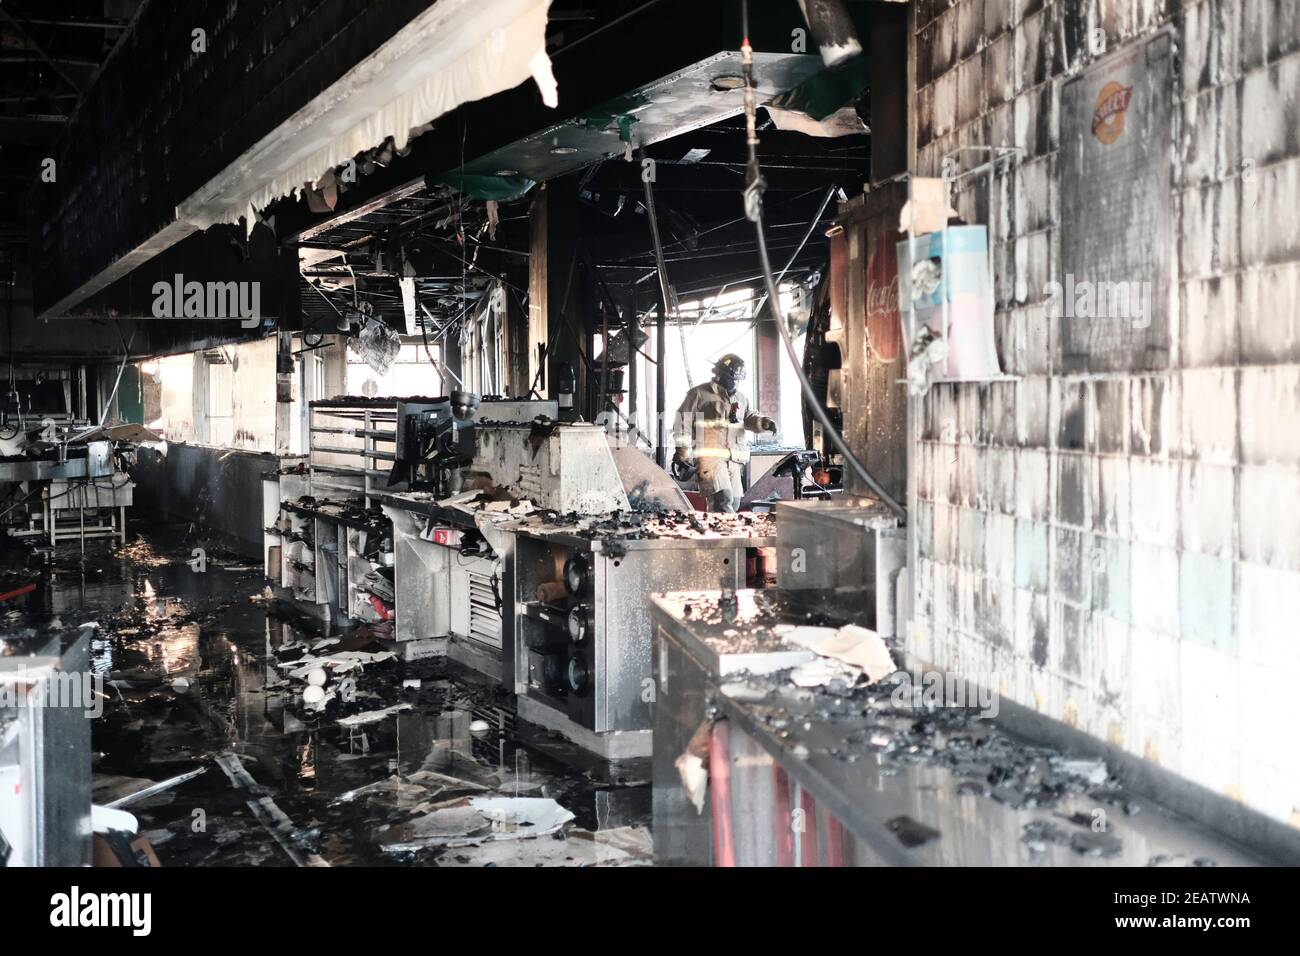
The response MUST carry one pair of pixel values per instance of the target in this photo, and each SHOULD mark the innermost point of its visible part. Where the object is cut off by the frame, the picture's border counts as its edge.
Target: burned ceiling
(634, 84)
(682, 125)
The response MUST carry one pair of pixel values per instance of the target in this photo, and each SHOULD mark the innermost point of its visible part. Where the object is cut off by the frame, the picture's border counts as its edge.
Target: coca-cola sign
(884, 334)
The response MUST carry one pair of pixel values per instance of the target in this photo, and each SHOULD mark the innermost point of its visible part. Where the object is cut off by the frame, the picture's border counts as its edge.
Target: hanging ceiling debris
(417, 68)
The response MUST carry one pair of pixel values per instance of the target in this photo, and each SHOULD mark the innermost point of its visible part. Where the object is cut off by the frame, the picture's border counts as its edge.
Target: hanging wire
(754, 212)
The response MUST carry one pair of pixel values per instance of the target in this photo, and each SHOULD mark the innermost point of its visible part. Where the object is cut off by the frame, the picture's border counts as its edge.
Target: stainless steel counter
(577, 657)
(856, 776)
(96, 463)
(47, 699)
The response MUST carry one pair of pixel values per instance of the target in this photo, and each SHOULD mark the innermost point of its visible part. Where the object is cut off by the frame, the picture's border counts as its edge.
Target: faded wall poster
(1110, 297)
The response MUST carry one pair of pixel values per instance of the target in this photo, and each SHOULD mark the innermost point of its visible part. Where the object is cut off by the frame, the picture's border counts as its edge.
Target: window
(221, 400)
(713, 327)
(410, 374)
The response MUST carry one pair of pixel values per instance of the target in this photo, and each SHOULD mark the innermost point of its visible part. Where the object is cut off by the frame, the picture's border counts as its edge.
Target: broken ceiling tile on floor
(475, 820)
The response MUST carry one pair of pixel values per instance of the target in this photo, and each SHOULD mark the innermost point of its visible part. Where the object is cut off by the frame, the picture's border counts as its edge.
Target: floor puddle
(404, 763)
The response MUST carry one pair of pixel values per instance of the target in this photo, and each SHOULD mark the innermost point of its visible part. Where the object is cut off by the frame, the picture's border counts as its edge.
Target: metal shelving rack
(353, 428)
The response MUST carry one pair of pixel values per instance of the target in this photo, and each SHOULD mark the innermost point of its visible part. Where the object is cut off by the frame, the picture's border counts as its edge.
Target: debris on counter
(524, 515)
(459, 499)
(507, 506)
(859, 647)
(911, 833)
(822, 671)
(1092, 770)
(816, 713)
(1092, 843)
(1038, 835)
(744, 690)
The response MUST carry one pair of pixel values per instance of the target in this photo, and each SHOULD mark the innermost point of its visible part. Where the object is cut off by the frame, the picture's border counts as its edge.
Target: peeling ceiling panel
(455, 52)
(700, 95)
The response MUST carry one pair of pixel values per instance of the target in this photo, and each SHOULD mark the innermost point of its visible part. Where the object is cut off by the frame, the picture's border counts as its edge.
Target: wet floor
(200, 674)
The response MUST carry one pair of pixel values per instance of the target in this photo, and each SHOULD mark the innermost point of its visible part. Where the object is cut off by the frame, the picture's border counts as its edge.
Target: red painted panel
(884, 334)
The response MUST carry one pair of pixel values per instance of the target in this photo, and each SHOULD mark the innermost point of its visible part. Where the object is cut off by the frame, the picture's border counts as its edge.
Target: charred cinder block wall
(163, 119)
(1115, 536)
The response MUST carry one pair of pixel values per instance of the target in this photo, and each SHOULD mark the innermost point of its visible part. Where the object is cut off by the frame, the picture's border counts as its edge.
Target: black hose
(754, 211)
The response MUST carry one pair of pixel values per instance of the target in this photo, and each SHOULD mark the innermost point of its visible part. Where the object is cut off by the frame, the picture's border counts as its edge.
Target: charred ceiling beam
(362, 210)
(55, 65)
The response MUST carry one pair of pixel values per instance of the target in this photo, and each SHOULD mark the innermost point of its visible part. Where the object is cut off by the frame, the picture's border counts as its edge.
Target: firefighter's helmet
(729, 370)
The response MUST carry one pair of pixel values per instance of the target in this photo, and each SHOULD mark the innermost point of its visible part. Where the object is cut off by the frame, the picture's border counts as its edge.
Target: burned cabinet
(581, 627)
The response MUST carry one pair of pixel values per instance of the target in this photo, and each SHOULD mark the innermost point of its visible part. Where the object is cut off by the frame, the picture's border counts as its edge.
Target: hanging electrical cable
(665, 290)
(754, 212)
(444, 371)
(816, 221)
(762, 299)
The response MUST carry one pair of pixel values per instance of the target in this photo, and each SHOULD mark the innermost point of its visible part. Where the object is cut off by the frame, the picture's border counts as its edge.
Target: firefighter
(709, 433)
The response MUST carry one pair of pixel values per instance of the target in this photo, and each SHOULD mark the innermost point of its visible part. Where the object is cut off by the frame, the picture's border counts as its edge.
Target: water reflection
(346, 789)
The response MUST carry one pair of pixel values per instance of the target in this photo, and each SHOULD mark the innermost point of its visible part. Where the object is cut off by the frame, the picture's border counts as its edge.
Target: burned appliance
(434, 439)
